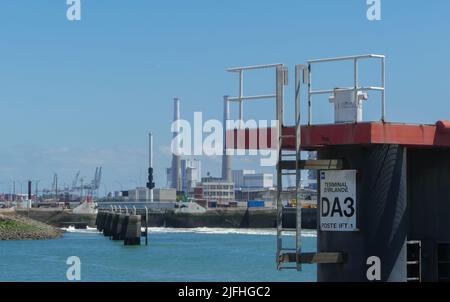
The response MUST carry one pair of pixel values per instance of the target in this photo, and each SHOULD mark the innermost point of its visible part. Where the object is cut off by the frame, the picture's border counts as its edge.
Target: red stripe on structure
(346, 134)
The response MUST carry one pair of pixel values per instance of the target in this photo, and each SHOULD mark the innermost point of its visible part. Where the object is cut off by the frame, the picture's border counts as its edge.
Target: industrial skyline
(88, 117)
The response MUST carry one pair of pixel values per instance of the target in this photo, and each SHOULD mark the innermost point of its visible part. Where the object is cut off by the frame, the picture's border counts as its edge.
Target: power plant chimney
(29, 190)
(176, 164)
(151, 183)
(226, 159)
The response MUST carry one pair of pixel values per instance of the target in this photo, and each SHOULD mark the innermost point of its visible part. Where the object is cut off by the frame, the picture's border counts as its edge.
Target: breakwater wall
(232, 219)
(254, 218)
(59, 218)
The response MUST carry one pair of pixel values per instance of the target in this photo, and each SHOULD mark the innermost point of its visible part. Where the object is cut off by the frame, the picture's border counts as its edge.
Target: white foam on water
(203, 230)
(226, 231)
(72, 229)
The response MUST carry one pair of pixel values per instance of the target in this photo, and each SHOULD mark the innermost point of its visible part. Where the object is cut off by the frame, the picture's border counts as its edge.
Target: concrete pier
(114, 226)
(107, 227)
(120, 226)
(117, 232)
(133, 233)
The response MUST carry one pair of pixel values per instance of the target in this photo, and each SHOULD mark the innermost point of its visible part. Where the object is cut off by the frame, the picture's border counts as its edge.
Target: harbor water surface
(197, 255)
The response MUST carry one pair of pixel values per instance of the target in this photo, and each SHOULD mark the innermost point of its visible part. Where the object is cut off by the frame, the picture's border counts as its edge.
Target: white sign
(338, 201)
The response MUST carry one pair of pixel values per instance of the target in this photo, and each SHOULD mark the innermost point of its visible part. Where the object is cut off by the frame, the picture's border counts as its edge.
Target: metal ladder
(285, 168)
(414, 261)
(287, 165)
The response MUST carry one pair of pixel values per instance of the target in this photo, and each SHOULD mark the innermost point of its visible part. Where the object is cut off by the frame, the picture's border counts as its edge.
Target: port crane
(78, 186)
(92, 187)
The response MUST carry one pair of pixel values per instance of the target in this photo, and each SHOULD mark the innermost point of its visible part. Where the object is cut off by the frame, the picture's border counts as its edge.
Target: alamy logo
(374, 11)
(74, 271)
(374, 269)
(74, 10)
(207, 138)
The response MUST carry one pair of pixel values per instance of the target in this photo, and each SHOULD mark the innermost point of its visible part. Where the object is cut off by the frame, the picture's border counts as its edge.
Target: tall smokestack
(151, 183)
(29, 190)
(226, 159)
(176, 170)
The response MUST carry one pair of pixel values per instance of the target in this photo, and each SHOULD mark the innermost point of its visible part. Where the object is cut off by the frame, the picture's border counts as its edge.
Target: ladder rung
(288, 136)
(288, 230)
(289, 154)
(321, 164)
(412, 262)
(288, 249)
(324, 258)
(413, 279)
(288, 267)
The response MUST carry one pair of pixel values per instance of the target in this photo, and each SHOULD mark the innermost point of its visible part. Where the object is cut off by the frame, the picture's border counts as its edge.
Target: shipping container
(255, 204)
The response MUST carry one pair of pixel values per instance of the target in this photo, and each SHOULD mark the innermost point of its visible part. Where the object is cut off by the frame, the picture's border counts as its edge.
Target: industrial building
(310, 183)
(216, 189)
(238, 177)
(165, 195)
(251, 179)
(259, 180)
(137, 194)
(191, 174)
(142, 194)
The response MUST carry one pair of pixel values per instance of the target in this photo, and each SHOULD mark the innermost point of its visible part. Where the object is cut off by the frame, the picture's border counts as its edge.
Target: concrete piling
(133, 233)
(124, 227)
(98, 220)
(114, 226)
(117, 232)
(107, 227)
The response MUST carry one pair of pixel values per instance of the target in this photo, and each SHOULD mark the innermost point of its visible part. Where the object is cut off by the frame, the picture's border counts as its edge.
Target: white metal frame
(281, 81)
(356, 86)
(241, 98)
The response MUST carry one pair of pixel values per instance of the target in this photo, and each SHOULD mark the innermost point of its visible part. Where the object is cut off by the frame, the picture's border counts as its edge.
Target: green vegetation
(16, 227)
(9, 225)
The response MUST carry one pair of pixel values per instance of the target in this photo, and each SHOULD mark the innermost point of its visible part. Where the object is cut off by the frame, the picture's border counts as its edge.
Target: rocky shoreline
(16, 227)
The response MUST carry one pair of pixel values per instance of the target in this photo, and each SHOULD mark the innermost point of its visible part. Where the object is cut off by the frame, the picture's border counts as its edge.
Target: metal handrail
(355, 88)
(346, 58)
(241, 98)
(238, 69)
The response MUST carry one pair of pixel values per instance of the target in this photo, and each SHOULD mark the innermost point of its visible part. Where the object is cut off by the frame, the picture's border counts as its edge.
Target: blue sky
(75, 95)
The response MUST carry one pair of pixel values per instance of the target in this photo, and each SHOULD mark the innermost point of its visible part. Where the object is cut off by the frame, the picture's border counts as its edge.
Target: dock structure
(384, 194)
(123, 226)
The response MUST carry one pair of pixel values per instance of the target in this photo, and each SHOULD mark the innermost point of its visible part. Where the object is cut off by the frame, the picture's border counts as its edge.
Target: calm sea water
(172, 255)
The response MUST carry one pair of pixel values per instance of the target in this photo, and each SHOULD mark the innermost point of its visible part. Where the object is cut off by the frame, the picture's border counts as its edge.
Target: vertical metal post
(309, 95)
(298, 139)
(241, 95)
(383, 79)
(146, 225)
(356, 82)
(226, 158)
(279, 118)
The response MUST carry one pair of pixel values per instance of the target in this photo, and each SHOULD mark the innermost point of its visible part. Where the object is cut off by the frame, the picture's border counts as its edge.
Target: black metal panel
(429, 204)
(381, 215)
